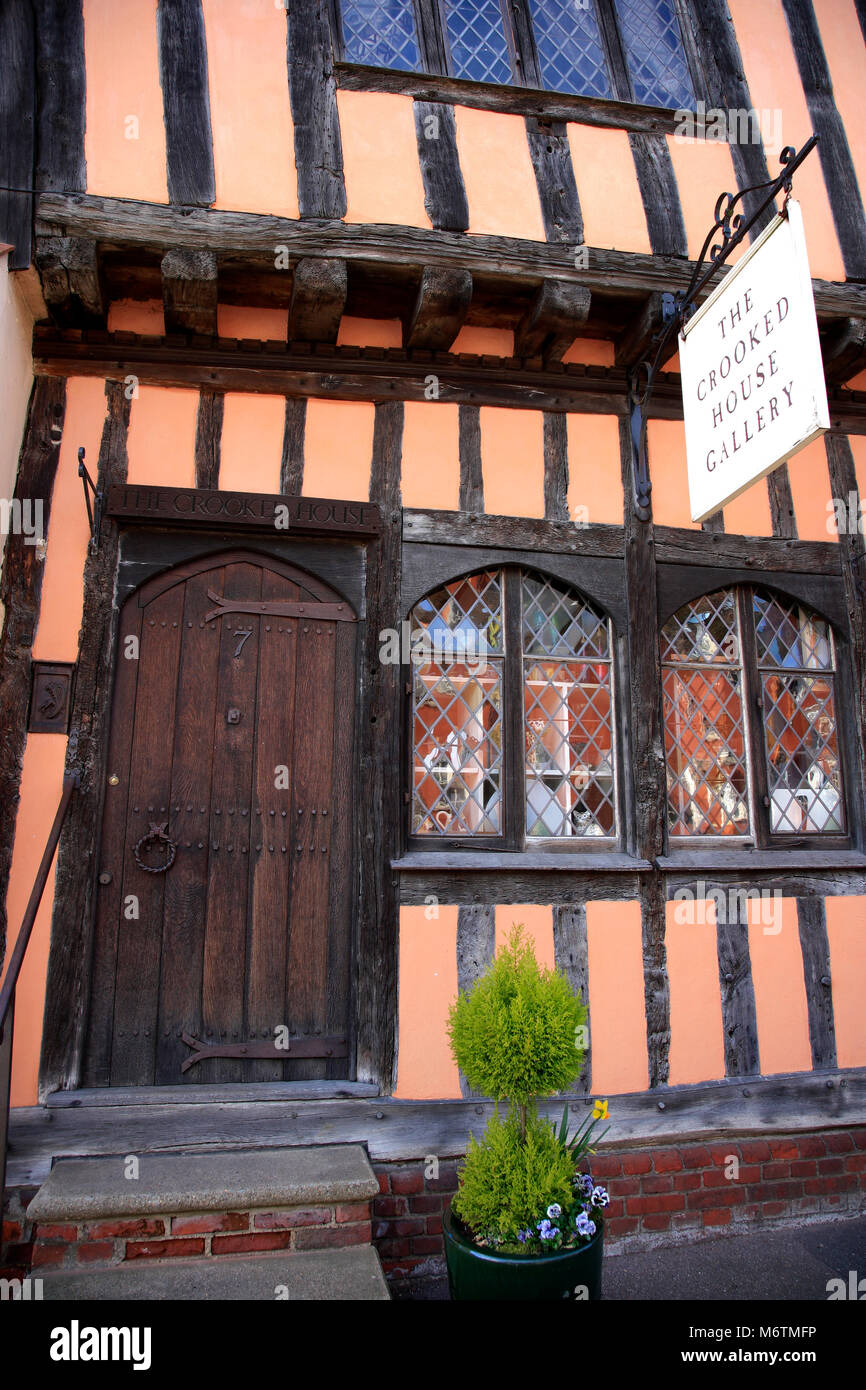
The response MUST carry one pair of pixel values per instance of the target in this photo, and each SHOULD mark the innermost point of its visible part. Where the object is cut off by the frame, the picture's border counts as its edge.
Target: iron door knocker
(155, 834)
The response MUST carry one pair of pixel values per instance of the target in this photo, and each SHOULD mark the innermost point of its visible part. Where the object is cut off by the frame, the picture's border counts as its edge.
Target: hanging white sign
(752, 374)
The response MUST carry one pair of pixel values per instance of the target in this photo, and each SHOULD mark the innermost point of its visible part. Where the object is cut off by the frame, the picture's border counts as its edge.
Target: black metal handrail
(16, 960)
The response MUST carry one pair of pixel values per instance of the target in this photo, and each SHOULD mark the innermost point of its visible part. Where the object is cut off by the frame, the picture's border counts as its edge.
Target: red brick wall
(658, 1195)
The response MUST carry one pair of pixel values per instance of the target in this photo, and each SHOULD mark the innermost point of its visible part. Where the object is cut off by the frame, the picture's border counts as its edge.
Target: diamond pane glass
(479, 50)
(460, 622)
(457, 770)
(654, 52)
(802, 755)
(791, 636)
(706, 751)
(569, 48)
(556, 623)
(703, 632)
(380, 33)
(569, 749)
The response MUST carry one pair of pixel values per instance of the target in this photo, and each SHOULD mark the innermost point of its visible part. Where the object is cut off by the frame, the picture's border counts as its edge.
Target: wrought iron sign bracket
(94, 509)
(678, 308)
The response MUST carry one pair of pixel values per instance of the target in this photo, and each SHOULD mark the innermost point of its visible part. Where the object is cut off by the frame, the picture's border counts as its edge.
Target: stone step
(351, 1274)
(82, 1189)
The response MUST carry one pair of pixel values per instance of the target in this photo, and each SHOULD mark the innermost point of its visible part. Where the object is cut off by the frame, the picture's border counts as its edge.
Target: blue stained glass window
(654, 52)
(570, 54)
(479, 50)
(380, 33)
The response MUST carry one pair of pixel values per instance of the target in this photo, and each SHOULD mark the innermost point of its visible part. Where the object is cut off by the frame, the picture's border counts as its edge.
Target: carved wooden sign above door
(187, 506)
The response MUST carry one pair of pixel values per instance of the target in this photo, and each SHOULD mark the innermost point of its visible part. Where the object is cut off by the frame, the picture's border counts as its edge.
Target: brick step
(354, 1273)
(119, 1210)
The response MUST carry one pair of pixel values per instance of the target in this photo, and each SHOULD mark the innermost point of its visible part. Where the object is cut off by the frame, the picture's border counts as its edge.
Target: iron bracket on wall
(678, 308)
(94, 510)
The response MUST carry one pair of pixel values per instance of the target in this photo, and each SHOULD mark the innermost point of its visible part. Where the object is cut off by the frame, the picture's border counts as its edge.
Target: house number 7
(243, 633)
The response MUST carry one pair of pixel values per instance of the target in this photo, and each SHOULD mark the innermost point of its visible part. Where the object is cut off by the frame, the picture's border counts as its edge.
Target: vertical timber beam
(646, 834)
(739, 1019)
(183, 76)
(661, 199)
(476, 940)
(313, 94)
(843, 483)
(68, 986)
(570, 954)
(555, 466)
(208, 438)
(550, 153)
(812, 924)
(444, 190)
(60, 92)
(21, 591)
(17, 129)
(292, 461)
(380, 782)
(471, 480)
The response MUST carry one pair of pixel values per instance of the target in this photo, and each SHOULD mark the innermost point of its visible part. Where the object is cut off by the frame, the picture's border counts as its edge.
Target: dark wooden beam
(318, 300)
(851, 544)
(208, 438)
(440, 309)
(844, 350)
(313, 93)
(571, 956)
(846, 204)
(555, 467)
(68, 986)
(431, 41)
(251, 238)
(71, 279)
(634, 343)
(739, 1019)
(17, 129)
(476, 936)
(782, 516)
(60, 88)
(380, 784)
(21, 591)
(502, 532)
(444, 191)
(553, 320)
(681, 547)
(550, 153)
(812, 926)
(471, 478)
(661, 199)
(189, 292)
(183, 75)
(292, 461)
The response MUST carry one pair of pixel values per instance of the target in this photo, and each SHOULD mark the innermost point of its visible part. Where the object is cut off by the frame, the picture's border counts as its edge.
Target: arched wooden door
(230, 755)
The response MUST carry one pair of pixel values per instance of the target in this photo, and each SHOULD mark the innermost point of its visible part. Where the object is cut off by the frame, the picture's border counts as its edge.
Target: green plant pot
(474, 1273)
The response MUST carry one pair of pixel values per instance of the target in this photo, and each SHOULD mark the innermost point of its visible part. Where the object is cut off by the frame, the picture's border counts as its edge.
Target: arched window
(750, 719)
(512, 713)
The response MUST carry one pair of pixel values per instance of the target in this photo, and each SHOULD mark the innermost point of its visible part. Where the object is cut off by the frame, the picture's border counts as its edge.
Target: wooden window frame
(761, 836)
(435, 56)
(514, 839)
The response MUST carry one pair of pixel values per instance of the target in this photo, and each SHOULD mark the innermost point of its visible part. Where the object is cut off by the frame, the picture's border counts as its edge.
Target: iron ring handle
(155, 834)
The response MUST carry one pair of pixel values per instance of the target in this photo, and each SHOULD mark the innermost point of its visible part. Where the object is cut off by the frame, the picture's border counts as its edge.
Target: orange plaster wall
(703, 169)
(122, 64)
(385, 333)
(497, 173)
(616, 997)
(68, 532)
(512, 461)
(241, 321)
(492, 342)
(858, 449)
(749, 514)
(846, 933)
(780, 988)
(380, 159)
(774, 82)
(430, 476)
(666, 447)
(538, 922)
(810, 488)
(427, 989)
(594, 469)
(161, 441)
(857, 383)
(697, 1042)
(136, 316)
(253, 139)
(595, 352)
(610, 199)
(842, 39)
(252, 442)
(41, 786)
(338, 449)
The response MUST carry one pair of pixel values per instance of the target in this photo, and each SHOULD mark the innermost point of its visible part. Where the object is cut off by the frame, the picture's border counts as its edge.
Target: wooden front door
(224, 896)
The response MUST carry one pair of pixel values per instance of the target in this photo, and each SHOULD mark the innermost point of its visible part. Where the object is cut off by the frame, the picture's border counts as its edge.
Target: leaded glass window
(750, 719)
(482, 647)
(380, 33)
(476, 35)
(570, 53)
(654, 53)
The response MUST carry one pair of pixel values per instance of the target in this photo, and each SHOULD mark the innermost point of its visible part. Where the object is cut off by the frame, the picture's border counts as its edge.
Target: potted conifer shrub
(524, 1223)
